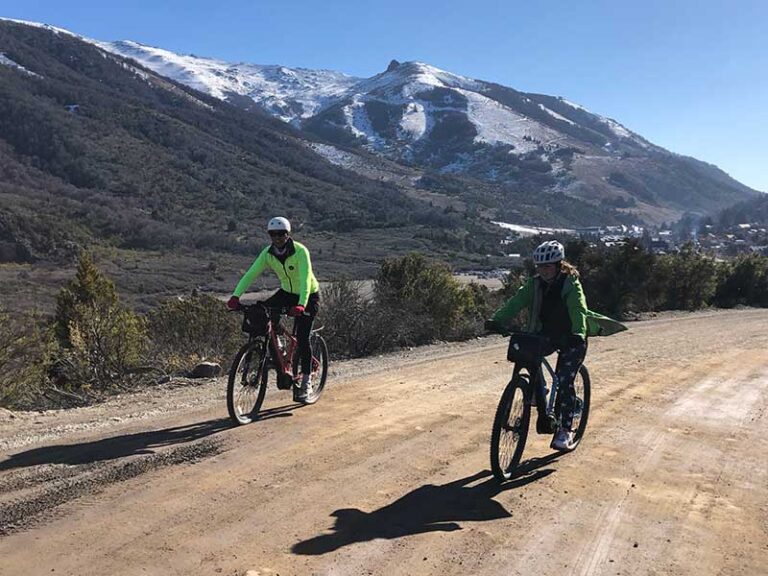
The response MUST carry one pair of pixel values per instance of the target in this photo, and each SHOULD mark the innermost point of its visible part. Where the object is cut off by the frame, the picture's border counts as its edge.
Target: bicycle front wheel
(582, 387)
(319, 367)
(510, 429)
(247, 384)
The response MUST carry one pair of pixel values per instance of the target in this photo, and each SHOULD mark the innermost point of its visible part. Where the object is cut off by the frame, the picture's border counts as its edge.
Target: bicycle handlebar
(281, 309)
(511, 331)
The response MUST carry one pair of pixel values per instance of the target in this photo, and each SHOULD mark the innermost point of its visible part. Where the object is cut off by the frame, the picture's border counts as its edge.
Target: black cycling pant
(303, 323)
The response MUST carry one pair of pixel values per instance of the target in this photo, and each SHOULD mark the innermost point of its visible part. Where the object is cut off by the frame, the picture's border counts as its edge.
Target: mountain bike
(533, 383)
(271, 346)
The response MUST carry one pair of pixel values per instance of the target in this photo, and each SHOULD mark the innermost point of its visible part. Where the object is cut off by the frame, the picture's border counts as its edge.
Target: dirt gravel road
(388, 474)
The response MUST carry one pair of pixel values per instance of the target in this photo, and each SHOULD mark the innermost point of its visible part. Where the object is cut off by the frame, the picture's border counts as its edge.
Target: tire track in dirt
(712, 398)
(63, 484)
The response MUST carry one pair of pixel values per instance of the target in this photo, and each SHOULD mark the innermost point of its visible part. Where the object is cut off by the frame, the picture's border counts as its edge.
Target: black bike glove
(575, 340)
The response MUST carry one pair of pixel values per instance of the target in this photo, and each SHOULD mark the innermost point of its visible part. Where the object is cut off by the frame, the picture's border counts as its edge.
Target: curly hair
(568, 268)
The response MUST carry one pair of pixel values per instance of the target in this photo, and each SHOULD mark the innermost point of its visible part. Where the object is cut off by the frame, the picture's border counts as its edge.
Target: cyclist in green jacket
(299, 290)
(557, 309)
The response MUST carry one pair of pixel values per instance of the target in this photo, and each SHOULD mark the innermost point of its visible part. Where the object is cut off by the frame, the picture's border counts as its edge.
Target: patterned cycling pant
(569, 361)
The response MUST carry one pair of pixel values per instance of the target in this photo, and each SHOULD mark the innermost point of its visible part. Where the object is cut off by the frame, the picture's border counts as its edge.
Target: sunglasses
(278, 233)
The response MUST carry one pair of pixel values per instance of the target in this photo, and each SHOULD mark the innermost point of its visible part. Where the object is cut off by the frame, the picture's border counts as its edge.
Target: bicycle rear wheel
(319, 367)
(319, 350)
(582, 387)
(247, 383)
(510, 429)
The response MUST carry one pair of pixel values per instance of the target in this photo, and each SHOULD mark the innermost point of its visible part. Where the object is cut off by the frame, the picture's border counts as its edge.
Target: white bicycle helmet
(278, 223)
(548, 252)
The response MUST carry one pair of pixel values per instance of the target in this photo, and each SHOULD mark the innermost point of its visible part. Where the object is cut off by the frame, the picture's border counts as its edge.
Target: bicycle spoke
(246, 388)
(511, 430)
(246, 399)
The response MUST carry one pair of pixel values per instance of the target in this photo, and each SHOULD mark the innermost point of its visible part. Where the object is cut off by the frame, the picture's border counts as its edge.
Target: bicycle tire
(319, 367)
(247, 384)
(510, 428)
(583, 395)
(319, 351)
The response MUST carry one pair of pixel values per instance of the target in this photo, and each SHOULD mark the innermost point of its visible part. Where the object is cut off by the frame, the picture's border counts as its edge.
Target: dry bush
(185, 331)
(23, 357)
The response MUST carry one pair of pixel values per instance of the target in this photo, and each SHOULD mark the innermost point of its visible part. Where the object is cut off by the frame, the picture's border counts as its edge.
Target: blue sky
(689, 75)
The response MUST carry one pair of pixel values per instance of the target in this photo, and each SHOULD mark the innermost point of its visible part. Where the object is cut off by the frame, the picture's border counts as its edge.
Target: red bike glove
(233, 303)
(296, 311)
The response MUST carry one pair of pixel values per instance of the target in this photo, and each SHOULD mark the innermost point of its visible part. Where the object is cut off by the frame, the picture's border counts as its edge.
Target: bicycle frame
(283, 355)
(544, 364)
(538, 382)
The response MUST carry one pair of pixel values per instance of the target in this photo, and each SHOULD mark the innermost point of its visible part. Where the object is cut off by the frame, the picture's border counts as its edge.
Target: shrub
(107, 344)
(620, 280)
(691, 281)
(89, 287)
(743, 281)
(23, 357)
(100, 343)
(426, 294)
(185, 331)
(348, 314)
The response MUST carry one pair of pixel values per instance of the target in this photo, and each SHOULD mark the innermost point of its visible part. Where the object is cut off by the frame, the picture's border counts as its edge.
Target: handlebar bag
(255, 321)
(528, 348)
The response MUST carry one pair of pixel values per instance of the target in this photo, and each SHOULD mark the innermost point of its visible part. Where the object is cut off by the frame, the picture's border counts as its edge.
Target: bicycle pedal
(284, 382)
(545, 425)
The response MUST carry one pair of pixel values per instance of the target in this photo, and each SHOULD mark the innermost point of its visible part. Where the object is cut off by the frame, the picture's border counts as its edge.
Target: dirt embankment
(388, 474)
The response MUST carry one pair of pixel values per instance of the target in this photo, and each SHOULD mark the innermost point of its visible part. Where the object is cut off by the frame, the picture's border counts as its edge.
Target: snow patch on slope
(5, 61)
(360, 124)
(334, 155)
(616, 128)
(412, 78)
(414, 121)
(497, 124)
(555, 114)
(290, 94)
(532, 230)
(53, 29)
(572, 105)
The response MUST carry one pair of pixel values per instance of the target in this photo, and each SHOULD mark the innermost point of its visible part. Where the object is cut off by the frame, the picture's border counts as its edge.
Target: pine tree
(88, 289)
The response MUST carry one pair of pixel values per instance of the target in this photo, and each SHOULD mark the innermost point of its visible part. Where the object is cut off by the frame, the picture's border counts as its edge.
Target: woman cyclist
(299, 290)
(557, 309)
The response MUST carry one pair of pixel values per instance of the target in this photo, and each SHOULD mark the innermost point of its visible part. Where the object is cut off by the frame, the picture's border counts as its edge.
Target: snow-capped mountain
(412, 112)
(421, 98)
(419, 115)
(445, 124)
(414, 108)
(290, 94)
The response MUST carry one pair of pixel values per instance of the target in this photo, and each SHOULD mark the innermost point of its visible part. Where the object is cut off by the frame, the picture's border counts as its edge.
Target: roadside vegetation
(94, 346)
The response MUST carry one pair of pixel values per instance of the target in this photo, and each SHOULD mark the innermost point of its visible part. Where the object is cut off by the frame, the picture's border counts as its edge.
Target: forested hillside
(753, 211)
(96, 150)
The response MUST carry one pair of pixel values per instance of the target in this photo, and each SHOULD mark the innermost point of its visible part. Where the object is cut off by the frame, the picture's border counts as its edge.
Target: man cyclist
(299, 290)
(557, 309)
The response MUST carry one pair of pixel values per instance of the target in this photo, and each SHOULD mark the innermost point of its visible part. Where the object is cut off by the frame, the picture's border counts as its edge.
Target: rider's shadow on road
(114, 447)
(129, 444)
(429, 508)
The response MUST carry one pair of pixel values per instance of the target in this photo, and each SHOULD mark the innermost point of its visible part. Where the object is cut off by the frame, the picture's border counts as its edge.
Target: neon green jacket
(295, 273)
(584, 322)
